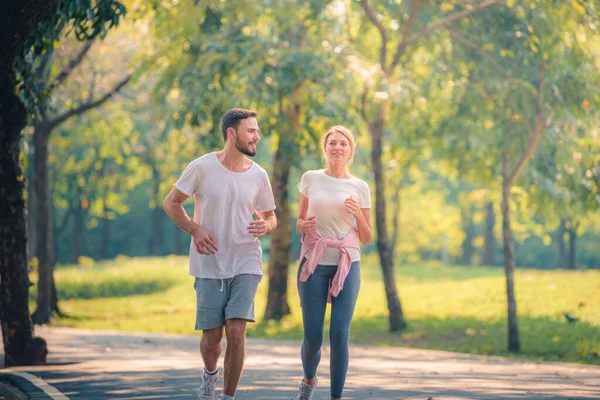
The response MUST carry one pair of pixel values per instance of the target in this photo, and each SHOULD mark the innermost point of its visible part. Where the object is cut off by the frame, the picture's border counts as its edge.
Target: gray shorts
(218, 300)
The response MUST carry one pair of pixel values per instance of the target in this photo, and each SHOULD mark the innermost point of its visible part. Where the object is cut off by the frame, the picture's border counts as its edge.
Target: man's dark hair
(233, 117)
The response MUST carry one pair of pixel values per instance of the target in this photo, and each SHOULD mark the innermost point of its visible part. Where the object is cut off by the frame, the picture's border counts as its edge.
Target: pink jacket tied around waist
(318, 244)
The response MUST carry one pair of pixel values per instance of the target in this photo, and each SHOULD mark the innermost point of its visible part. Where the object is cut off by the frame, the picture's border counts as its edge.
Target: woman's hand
(309, 226)
(352, 207)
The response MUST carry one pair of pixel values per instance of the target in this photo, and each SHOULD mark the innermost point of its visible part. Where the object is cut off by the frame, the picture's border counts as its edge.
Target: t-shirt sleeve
(304, 184)
(365, 195)
(188, 182)
(265, 201)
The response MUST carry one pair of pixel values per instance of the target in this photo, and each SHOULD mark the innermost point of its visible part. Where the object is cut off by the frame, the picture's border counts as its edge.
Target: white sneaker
(305, 391)
(208, 387)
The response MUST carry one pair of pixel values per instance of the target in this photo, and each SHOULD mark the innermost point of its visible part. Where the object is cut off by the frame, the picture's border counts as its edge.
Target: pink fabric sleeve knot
(318, 244)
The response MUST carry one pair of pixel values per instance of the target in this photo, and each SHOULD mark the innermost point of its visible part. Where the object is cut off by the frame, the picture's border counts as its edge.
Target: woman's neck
(337, 171)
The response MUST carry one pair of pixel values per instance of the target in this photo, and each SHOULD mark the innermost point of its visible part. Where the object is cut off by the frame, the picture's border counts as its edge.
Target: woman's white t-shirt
(326, 196)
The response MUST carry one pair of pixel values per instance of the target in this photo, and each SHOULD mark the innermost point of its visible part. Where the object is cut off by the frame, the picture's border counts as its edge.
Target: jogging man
(233, 207)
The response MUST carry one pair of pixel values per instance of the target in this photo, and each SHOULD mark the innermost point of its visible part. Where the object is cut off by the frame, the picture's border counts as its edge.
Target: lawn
(448, 308)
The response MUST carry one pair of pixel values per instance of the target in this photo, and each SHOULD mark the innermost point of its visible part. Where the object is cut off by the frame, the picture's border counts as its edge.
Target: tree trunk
(397, 204)
(52, 262)
(445, 256)
(104, 254)
(396, 316)
(78, 229)
(157, 215)
(559, 239)
(43, 313)
(572, 264)
(514, 343)
(279, 258)
(489, 241)
(54, 296)
(20, 346)
(508, 179)
(157, 220)
(469, 229)
(105, 232)
(31, 250)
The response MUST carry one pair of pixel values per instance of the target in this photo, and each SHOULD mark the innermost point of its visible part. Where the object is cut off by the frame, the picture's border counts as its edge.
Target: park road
(94, 365)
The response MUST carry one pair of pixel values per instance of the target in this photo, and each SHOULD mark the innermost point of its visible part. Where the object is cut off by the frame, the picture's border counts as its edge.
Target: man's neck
(233, 160)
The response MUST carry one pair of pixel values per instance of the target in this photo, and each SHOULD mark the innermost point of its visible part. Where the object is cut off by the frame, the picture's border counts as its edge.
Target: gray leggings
(313, 294)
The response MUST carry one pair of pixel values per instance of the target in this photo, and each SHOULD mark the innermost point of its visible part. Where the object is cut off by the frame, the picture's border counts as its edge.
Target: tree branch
(538, 130)
(487, 94)
(280, 103)
(33, 87)
(298, 86)
(414, 8)
(41, 71)
(363, 107)
(525, 109)
(347, 25)
(447, 20)
(478, 49)
(75, 61)
(587, 9)
(382, 31)
(88, 105)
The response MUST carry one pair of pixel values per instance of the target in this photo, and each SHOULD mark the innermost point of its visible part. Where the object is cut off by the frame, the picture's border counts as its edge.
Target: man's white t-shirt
(326, 196)
(224, 202)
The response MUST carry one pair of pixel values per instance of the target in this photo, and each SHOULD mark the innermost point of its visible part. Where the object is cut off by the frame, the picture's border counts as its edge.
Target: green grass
(448, 308)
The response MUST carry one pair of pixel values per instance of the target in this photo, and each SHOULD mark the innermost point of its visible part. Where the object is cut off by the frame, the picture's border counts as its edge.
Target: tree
(297, 70)
(376, 110)
(21, 348)
(564, 179)
(29, 28)
(520, 50)
(42, 86)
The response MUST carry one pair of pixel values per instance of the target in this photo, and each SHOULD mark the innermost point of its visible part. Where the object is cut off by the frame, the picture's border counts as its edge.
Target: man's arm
(173, 206)
(271, 220)
(265, 223)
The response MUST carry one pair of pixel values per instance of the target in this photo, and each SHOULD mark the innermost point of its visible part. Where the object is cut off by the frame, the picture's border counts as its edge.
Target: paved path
(111, 365)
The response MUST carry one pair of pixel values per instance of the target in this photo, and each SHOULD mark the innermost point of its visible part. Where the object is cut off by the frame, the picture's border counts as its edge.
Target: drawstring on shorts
(223, 282)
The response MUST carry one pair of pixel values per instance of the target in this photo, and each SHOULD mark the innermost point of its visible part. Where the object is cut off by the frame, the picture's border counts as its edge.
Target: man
(229, 190)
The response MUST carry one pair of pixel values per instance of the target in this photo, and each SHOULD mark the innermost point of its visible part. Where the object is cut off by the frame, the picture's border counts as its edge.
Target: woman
(334, 215)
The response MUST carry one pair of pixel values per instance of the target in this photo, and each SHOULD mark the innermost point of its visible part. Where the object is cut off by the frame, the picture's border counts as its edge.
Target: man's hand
(258, 227)
(204, 242)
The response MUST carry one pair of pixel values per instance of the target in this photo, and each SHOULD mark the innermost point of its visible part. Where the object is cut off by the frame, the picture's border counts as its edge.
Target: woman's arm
(362, 217)
(363, 225)
(305, 224)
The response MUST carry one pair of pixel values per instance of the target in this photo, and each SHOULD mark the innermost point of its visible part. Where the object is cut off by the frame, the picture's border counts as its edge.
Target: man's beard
(244, 149)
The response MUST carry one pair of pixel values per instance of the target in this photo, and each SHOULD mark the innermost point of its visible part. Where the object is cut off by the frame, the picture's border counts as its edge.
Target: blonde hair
(344, 131)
